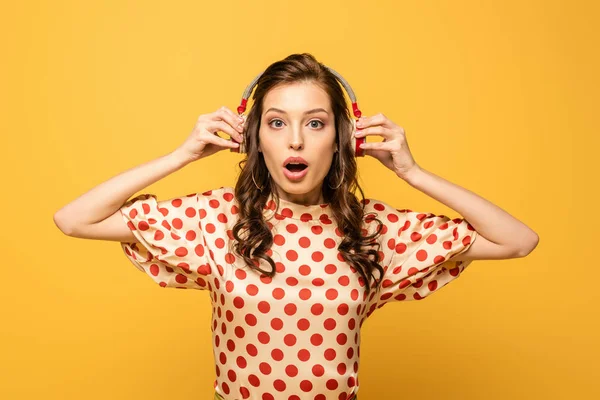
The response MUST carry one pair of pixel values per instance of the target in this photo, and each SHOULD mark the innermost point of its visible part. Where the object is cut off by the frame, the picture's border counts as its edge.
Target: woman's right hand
(204, 141)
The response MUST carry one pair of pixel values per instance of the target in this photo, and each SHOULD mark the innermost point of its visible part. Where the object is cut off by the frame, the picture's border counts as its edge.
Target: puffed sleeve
(171, 249)
(423, 246)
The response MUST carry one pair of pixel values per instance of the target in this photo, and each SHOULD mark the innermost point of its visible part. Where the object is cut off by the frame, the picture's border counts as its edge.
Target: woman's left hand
(393, 152)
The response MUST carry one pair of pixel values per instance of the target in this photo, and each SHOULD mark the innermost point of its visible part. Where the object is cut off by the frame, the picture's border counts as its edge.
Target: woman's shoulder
(221, 193)
(219, 202)
(383, 209)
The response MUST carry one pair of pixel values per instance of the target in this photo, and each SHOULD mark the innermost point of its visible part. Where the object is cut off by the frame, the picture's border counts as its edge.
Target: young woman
(295, 263)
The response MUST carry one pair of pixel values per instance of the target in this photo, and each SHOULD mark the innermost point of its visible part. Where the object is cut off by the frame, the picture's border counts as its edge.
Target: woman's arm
(500, 235)
(107, 198)
(96, 214)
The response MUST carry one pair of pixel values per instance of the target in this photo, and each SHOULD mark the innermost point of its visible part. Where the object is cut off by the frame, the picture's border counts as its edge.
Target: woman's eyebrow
(315, 110)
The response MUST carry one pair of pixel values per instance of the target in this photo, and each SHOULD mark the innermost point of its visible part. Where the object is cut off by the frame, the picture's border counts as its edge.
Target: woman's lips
(295, 176)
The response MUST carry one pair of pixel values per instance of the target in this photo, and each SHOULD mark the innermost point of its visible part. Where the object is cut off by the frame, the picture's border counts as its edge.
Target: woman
(294, 261)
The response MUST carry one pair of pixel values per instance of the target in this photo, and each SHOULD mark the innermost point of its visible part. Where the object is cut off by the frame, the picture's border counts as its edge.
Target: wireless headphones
(356, 142)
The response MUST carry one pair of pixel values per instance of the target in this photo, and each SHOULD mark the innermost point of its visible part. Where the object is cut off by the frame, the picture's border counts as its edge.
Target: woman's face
(297, 121)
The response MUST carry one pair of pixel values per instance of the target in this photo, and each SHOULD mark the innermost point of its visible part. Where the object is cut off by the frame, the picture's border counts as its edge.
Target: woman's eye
(276, 120)
(311, 122)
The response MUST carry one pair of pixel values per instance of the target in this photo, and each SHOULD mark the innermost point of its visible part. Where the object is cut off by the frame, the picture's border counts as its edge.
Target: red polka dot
(264, 307)
(331, 294)
(304, 242)
(154, 269)
(303, 355)
(177, 223)
(304, 270)
(279, 240)
(181, 251)
(400, 248)
(329, 324)
(176, 202)
(329, 243)
(277, 324)
(392, 217)
(291, 255)
(317, 256)
(291, 228)
(229, 258)
(330, 269)
(290, 309)
(210, 228)
(305, 217)
(317, 309)
(228, 196)
(289, 340)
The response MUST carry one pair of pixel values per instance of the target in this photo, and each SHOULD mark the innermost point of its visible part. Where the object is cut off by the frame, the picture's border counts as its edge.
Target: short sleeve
(422, 249)
(171, 249)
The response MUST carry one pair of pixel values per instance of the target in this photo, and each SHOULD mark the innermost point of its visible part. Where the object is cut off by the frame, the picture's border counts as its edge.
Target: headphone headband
(355, 110)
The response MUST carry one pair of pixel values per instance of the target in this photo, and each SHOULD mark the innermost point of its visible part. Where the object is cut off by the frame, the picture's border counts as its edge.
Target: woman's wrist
(179, 158)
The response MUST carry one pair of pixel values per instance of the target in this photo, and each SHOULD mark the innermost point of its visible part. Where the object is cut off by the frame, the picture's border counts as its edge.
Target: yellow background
(496, 96)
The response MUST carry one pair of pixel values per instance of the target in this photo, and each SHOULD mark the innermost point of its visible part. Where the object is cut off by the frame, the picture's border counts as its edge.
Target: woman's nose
(296, 140)
(296, 145)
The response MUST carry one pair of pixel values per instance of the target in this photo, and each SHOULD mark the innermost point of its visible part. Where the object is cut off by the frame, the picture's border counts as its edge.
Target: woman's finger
(219, 125)
(377, 119)
(219, 141)
(374, 130)
(225, 114)
(375, 145)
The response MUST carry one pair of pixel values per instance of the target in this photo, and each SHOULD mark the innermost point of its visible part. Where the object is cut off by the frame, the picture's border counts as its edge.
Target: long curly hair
(360, 252)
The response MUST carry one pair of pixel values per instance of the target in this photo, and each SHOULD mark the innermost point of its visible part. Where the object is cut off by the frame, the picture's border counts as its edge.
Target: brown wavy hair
(347, 210)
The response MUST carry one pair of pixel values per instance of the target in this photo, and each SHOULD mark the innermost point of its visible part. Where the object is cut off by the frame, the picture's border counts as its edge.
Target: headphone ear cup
(356, 142)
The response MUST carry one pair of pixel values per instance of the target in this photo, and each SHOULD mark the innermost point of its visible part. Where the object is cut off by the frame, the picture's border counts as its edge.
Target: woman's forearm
(488, 219)
(103, 200)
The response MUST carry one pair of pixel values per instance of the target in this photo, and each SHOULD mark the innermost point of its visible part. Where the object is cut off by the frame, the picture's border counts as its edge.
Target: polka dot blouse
(295, 336)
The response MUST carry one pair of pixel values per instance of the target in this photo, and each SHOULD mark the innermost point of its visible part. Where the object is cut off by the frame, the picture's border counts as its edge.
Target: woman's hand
(204, 141)
(393, 152)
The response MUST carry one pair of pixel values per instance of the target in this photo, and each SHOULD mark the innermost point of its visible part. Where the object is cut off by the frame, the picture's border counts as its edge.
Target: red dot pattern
(296, 335)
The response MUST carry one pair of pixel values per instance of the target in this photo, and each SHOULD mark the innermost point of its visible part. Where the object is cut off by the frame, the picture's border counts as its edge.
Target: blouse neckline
(288, 209)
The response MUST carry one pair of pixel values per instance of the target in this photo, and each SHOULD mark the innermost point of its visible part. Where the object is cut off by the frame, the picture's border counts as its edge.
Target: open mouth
(296, 167)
